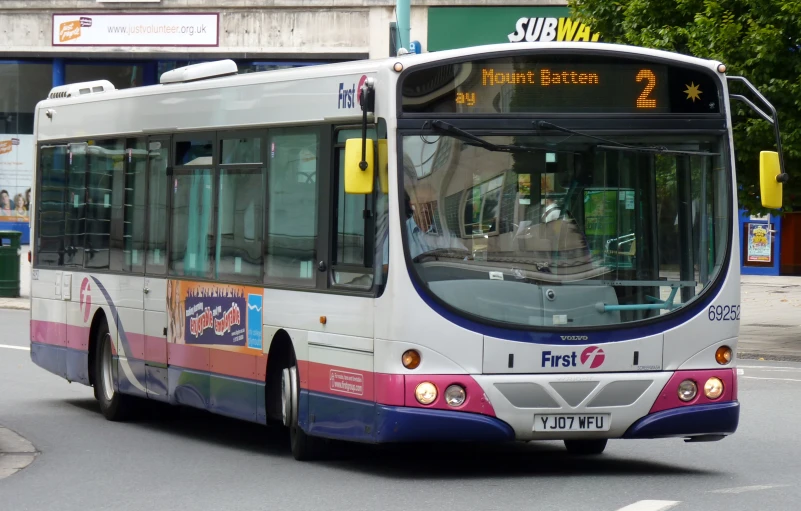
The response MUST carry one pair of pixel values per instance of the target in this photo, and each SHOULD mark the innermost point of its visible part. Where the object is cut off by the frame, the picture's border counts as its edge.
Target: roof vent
(80, 89)
(200, 71)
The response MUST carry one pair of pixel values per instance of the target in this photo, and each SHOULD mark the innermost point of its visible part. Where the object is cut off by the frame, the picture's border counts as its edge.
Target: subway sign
(461, 27)
(551, 29)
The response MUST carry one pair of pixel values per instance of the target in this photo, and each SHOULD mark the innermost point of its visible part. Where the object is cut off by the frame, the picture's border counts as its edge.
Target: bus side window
(74, 235)
(52, 203)
(291, 245)
(352, 265)
(158, 183)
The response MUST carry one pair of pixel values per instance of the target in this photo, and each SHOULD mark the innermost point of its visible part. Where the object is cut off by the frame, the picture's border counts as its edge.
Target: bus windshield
(583, 234)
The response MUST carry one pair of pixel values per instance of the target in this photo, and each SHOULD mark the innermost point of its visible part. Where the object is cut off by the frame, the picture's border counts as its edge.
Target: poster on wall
(202, 313)
(759, 243)
(136, 29)
(16, 171)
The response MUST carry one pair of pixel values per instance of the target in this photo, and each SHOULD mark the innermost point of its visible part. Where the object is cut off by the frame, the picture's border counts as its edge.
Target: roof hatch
(200, 71)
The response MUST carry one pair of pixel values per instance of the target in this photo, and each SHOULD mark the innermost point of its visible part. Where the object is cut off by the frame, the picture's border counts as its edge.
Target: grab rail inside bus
(656, 303)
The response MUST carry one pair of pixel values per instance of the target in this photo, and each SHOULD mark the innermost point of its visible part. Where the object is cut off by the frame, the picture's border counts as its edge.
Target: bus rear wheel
(113, 405)
(585, 447)
(304, 447)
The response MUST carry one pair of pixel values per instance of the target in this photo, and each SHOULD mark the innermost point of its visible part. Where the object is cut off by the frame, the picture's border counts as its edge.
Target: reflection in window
(134, 207)
(239, 225)
(192, 220)
(481, 208)
(241, 150)
(349, 242)
(158, 154)
(352, 213)
(426, 215)
(22, 85)
(104, 158)
(52, 204)
(194, 152)
(292, 229)
(76, 206)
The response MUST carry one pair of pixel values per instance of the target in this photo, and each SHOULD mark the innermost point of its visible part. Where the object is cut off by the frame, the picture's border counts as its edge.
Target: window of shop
(123, 76)
(22, 85)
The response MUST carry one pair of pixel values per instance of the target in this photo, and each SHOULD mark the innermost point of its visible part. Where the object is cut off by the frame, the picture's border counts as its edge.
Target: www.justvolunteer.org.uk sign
(136, 29)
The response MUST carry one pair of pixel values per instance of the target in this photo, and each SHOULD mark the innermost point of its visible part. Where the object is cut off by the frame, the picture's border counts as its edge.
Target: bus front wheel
(585, 447)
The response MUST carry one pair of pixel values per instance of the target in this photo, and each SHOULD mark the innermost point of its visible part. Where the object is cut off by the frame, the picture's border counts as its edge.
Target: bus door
(155, 283)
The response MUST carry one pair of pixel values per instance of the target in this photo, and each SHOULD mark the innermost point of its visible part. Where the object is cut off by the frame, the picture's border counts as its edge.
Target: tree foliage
(757, 39)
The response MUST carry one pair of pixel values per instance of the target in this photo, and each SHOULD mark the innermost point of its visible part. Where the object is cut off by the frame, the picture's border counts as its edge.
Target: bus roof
(371, 66)
(265, 98)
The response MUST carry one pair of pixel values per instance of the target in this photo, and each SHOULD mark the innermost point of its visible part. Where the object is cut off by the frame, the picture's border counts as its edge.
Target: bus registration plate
(585, 422)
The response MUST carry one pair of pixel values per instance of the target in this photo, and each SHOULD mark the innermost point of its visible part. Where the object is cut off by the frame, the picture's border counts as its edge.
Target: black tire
(303, 446)
(586, 447)
(115, 406)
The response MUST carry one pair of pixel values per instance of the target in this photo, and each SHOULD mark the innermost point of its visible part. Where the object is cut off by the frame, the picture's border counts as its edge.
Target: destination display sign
(548, 84)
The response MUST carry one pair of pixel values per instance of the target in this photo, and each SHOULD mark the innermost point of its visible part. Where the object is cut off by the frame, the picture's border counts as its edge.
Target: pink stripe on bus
(78, 337)
(49, 332)
(136, 343)
(187, 356)
(389, 389)
(669, 397)
(156, 349)
(231, 363)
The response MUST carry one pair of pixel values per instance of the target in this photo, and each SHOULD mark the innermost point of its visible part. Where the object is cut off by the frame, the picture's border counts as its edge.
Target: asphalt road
(186, 459)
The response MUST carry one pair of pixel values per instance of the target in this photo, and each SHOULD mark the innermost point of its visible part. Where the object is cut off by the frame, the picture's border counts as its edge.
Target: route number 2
(643, 101)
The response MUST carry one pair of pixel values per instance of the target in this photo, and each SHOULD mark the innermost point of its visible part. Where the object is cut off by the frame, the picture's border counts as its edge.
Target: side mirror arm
(367, 100)
(783, 177)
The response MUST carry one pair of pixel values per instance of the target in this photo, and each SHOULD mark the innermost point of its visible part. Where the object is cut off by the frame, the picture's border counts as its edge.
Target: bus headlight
(687, 390)
(455, 395)
(723, 355)
(713, 388)
(425, 393)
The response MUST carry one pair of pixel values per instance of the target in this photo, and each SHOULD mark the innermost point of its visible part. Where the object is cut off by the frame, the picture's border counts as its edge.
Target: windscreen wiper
(614, 145)
(474, 140)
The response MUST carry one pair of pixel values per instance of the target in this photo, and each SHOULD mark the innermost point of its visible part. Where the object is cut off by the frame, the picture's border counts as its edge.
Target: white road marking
(651, 505)
(773, 368)
(10, 347)
(743, 489)
(777, 379)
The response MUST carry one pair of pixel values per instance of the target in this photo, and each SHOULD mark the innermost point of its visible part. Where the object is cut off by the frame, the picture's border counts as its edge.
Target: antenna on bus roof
(200, 71)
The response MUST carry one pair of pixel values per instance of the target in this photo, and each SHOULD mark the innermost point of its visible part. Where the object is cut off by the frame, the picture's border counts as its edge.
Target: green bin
(9, 263)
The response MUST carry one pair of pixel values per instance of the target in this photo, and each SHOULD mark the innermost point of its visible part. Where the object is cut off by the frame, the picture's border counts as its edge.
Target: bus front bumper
(710, 421)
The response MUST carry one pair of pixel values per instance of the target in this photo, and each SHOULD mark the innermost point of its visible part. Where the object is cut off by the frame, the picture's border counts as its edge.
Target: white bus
(511, 242)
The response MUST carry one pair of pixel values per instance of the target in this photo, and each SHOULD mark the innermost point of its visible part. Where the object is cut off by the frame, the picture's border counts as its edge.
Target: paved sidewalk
(770, 319)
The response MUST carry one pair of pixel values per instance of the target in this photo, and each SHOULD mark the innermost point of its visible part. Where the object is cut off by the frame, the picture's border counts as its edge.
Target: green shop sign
(460, 27)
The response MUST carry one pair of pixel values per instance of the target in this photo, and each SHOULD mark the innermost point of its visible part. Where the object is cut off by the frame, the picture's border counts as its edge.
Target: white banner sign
(135, 29)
